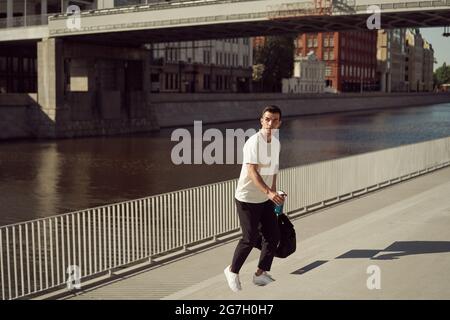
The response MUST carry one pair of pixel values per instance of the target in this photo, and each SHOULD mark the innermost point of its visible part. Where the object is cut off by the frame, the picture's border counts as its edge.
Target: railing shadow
(400, 249)
(394, 251)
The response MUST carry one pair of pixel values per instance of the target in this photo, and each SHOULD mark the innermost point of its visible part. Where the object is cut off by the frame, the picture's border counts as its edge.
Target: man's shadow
(394, 251)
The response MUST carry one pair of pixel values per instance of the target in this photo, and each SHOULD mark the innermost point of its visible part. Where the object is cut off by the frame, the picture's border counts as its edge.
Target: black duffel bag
(288, 240)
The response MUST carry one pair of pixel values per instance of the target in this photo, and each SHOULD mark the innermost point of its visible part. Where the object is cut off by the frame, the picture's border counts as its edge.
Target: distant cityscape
(398, 60)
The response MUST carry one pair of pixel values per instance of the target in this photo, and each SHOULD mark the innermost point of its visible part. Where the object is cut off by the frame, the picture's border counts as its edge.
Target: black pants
(252, 217)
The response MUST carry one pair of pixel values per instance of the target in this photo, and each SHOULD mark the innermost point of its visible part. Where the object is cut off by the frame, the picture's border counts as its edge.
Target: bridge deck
(202, 20)
(403, 229)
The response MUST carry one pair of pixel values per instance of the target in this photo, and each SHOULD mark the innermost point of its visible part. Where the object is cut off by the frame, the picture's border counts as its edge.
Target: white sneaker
(263, 279)
(233, 279)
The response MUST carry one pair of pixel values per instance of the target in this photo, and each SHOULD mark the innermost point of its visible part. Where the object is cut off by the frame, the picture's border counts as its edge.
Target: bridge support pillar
(50, 84)
(92, 90)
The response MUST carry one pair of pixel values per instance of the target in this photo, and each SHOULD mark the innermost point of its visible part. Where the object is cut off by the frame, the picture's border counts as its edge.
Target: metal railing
(27, 21)
(35, 255)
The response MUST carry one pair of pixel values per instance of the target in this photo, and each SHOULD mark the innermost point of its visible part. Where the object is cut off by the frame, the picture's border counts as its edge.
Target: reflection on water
(43, 178)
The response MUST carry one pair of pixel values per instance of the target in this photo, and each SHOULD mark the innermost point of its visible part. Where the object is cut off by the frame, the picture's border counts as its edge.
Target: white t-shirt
(266, 156)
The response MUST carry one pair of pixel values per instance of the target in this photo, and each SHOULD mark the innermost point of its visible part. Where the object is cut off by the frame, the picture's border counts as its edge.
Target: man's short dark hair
(271, 109)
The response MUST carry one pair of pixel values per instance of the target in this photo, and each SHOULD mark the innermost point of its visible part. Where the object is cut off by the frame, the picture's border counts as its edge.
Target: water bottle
(279, 207)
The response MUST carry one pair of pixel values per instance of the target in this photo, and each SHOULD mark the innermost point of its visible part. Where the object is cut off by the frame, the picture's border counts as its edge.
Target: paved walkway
(402, 232)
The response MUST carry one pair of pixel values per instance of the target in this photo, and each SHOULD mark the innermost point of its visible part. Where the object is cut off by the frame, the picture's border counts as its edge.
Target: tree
(442, 75)
(277, 58)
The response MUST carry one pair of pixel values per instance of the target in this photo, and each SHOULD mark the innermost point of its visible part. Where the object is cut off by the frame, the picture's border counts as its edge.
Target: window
(2, 63)
(219, 82)
(206, 82)
(315, 42)
(328, 71)
(171, 81)
(331, 41)
(206, 57)
(332, 55)
(325, 55)
(310, 42)
(325, 42)
(342, 70)
(171, 54)
(15, 64)
(246, 61)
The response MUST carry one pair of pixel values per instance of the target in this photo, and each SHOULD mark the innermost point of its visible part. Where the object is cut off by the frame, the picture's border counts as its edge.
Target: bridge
(211, 19)
(70, 55)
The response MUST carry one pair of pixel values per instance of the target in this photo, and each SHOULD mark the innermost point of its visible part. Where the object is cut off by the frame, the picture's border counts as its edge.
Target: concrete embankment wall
(15, 115)
(20, 114)
(82, 114)
(181, 110)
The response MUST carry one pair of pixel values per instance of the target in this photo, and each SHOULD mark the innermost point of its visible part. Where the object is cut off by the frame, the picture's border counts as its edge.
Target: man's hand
(258, 181)
(275, 197)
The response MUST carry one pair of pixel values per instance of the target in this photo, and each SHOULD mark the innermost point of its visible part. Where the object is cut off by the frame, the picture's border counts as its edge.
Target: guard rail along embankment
(36, 255)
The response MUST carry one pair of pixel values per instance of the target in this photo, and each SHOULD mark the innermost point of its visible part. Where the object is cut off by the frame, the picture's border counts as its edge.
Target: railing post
(78, 245)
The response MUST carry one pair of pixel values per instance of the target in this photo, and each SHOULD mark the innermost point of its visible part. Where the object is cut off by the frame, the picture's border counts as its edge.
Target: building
(391, 59)
(414, 60)
(405, 61)
(419, 62)
(308, 76)
(428, 66)
(350, 58)
(202, 66)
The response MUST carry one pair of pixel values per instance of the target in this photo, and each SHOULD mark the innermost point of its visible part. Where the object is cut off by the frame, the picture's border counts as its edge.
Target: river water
(40, 178)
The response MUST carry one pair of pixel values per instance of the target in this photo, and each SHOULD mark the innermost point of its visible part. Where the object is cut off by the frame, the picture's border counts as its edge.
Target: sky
(441, 45)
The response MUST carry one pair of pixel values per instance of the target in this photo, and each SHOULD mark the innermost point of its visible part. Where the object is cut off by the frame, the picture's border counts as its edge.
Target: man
(255, 196)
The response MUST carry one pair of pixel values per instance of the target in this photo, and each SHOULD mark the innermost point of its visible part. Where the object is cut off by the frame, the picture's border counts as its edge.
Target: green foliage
(277, 60)
(442, 75)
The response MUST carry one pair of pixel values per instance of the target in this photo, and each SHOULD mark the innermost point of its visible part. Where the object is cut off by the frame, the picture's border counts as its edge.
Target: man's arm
(259, 182)
(274, 183)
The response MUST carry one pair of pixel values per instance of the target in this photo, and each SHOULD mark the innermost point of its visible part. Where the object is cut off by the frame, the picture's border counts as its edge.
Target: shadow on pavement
(394, 251)
(399, 249)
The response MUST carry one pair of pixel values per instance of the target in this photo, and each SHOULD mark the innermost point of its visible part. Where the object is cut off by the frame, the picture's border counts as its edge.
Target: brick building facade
(351, 58)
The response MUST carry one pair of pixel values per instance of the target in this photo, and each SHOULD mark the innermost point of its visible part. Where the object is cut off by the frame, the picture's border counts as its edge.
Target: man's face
(270, 121)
